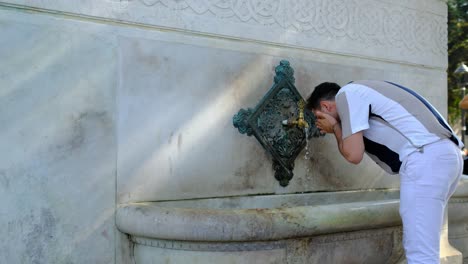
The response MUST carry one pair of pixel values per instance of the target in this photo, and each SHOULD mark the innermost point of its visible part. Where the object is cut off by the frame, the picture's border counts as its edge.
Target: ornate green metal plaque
(267, 123)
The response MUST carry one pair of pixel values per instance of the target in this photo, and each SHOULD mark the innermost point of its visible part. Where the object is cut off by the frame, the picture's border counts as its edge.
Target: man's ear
(324, 105)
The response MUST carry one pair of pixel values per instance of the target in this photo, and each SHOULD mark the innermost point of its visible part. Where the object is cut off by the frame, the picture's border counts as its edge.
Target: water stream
(306, 156)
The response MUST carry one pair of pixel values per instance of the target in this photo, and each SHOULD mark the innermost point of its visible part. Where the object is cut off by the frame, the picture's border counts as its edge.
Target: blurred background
(457, 53)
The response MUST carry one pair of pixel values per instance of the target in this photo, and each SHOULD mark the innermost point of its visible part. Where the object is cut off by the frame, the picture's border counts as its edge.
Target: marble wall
(108, 102)
(175, 133)
(57, 165)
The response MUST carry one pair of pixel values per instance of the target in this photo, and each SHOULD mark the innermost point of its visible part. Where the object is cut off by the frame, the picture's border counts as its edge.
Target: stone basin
(330, 227)
(258, 218)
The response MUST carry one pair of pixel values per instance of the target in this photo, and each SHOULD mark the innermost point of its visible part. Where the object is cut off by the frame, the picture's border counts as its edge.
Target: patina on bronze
(283, 140)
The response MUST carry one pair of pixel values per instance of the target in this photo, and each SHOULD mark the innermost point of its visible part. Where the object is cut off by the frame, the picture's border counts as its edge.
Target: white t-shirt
(395, 120)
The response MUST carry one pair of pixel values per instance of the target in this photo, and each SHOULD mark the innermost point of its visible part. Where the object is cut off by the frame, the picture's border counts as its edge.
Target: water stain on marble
(84, 128)
(39, 239)
(78, 133)
(4, 181)
(151, 60)
(145, 57)
(143, 210)
(263, 228)
(246, 176)
(105, 235)
(247, 173)
(179, 142)
(326, 170)
(170, 138)
(304, 78)
(158, 137)
(170, 166)
(296, 218)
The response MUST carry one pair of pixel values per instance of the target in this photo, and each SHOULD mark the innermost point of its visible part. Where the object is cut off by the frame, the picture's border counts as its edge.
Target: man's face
(328, 107)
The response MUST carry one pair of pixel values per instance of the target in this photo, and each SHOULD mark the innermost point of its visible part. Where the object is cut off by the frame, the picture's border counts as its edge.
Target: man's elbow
(463, 105)
(354, 158)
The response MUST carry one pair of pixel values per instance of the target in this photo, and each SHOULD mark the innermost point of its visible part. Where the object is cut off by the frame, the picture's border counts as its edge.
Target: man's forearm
(352, 148)
(338, 135)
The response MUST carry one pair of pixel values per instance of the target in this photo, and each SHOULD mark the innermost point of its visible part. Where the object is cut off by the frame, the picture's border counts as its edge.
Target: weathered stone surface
(57, 136)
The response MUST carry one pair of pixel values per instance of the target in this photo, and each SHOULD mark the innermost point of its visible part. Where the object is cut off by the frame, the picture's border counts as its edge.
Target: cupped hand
(325, 122)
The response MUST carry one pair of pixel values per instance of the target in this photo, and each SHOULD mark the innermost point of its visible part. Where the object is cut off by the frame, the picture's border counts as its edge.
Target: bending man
(403, 134)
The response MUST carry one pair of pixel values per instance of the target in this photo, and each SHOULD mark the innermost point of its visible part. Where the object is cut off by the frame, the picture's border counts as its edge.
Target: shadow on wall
(196, 111)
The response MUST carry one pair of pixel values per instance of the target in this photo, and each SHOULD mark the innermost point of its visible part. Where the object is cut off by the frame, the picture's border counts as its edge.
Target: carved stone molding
(372, 23)
(410, 32)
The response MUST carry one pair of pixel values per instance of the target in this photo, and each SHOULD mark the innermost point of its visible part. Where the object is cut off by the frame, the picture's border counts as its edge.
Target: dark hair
(323, 91)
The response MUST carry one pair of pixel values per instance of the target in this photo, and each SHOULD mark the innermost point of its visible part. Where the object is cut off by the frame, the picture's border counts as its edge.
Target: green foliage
(457, 51)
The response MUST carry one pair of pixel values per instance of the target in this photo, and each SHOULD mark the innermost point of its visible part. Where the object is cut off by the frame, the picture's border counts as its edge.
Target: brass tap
(300, 121)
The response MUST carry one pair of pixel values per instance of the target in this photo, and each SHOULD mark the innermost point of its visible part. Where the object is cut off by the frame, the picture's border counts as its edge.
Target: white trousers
(428, 179)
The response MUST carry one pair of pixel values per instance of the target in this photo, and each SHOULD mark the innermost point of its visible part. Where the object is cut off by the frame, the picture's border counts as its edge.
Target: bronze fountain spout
(300, 121)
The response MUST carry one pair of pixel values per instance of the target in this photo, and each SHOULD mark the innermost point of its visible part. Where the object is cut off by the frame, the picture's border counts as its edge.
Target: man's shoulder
(367, 82)
(354, 87)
